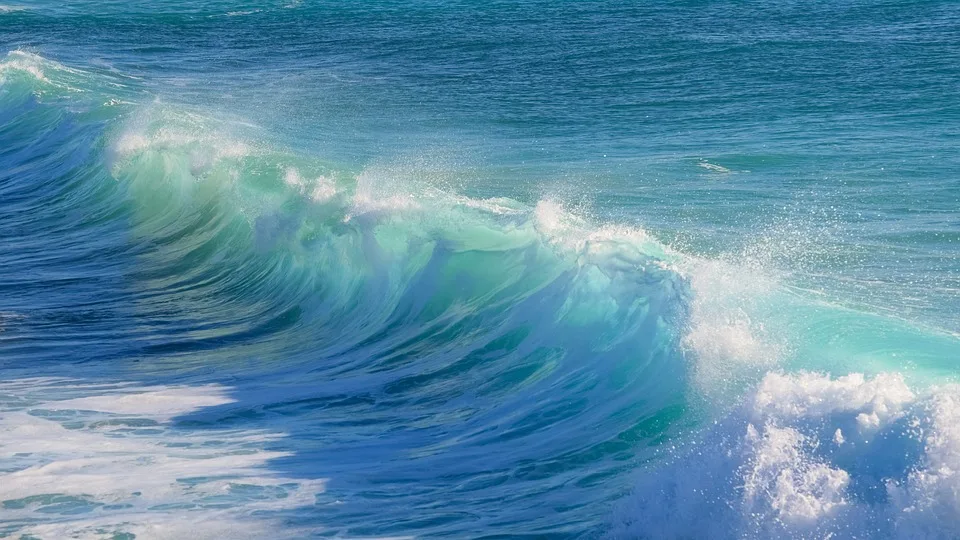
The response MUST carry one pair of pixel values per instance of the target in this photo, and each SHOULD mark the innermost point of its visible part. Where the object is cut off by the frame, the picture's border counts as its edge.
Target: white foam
(873, 403)
(212, 525)
(114, 452)
(320, 189)
(291, 177)
(193, 139)
(24, 62)
(138, 140)
(380, 190)
(927, 505)
(323, 190)
(714, 168)
(783, 484)
(797, 458)
(728, 344)
(572, 234)
(497, 205)
(156, 403)
(52, 75)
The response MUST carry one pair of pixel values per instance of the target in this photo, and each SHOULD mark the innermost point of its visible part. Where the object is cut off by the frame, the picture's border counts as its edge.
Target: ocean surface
(462, 269)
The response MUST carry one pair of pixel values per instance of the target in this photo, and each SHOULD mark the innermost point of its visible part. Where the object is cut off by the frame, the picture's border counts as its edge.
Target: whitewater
(243, 298)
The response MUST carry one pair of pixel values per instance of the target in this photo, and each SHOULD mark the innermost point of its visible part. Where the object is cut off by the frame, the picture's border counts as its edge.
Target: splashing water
(308, 270)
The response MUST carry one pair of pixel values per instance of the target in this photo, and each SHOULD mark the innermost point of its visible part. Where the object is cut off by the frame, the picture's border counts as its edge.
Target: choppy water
(462, 269)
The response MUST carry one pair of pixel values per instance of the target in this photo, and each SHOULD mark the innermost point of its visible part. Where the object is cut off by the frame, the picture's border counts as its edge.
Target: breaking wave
(320, 341)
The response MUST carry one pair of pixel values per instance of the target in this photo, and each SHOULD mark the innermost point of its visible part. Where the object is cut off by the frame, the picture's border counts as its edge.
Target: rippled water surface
(306, 269)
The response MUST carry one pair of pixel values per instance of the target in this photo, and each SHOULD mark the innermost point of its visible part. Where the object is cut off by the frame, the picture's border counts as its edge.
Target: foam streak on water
(112, 463)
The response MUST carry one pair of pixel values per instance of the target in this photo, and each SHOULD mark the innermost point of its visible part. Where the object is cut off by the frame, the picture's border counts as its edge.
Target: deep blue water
(458, 269)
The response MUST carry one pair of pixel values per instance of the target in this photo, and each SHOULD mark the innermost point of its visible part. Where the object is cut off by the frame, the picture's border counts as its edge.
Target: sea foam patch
(109, 460)
(812, 456)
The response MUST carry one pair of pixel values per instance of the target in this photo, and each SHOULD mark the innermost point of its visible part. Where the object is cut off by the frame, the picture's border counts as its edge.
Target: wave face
(250, 291)
(417, 345)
